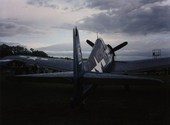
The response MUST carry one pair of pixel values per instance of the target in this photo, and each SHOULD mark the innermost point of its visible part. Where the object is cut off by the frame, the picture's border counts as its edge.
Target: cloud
(131, 17)
(152, 20)
(43, 3)
(119, 4)
(8, 29)
(150, 1)
(58, 4)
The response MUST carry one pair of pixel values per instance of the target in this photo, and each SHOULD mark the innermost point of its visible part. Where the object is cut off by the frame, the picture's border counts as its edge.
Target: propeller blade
(120, 46)
(90, 43)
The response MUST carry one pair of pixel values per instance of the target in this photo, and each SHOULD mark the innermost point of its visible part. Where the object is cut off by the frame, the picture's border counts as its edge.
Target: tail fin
(77, 69)
(77, 54)
(81, 91)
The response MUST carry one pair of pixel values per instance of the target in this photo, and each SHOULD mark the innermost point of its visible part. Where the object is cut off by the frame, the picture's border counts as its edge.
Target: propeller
(113, 49)
(90, 43)
(119, 46)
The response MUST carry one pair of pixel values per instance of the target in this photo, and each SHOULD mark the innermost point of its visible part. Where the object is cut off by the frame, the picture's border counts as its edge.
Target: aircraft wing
(58, 64)
(141, 65)
(91, 77)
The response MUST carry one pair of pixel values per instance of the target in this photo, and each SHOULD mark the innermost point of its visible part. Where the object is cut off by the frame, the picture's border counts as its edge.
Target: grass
(48, 104)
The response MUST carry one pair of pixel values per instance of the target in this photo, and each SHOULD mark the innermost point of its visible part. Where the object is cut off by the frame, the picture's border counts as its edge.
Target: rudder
(77, 69)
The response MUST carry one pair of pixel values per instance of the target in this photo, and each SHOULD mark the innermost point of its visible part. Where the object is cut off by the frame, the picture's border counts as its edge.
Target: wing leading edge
(141, 65)
(57, 64)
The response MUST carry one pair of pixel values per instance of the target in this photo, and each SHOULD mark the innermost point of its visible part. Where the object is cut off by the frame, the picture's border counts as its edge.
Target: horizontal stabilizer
(97, 78)
(59, 77)
(113, 79)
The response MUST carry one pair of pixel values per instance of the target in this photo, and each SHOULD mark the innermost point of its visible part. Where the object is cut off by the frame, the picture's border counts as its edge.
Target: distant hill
(6, 50)
(9, 43)
(58, 47)
(66, 50)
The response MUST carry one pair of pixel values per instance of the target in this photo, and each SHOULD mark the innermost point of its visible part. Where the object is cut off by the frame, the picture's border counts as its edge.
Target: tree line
(6, 50)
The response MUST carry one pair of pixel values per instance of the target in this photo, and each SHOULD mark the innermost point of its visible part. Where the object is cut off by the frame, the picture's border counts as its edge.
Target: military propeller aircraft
(100, 68)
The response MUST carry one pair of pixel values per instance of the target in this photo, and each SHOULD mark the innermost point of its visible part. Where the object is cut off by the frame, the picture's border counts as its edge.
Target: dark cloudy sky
(145, 24)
